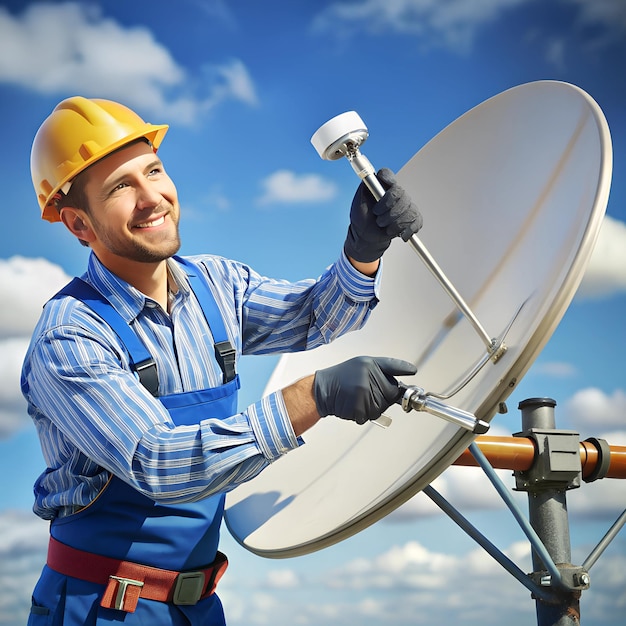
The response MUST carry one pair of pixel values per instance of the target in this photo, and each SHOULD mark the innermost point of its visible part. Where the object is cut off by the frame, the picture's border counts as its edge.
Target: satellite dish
(513, 194)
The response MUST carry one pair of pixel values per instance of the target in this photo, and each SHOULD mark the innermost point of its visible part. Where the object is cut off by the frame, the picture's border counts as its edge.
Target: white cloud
(592, 407)
(72, 48)
(435, 584)
(25, 285)
(13, 414)
(449, 589)
(606, 273)
(450, 23)
(284, 186)
(603, 499)
(236, 83)
(283, 579)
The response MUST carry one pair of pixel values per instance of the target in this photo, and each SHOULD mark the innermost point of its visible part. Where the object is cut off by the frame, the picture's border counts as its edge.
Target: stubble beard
(139, 251)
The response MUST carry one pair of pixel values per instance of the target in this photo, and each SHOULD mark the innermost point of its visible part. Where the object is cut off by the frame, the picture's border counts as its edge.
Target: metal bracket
(557, 464)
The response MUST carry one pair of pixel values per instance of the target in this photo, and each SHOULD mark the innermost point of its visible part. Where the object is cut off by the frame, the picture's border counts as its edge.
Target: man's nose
(147, 196)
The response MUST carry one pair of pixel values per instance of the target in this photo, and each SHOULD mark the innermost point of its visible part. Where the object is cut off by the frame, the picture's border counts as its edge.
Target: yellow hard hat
(76, 134)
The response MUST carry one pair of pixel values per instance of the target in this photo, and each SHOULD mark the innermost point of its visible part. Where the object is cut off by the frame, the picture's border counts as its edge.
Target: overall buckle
(189, 588)
(226, 355)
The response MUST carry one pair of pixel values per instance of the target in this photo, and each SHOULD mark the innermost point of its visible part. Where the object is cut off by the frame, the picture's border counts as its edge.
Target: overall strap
(224, 351)
(141, 360)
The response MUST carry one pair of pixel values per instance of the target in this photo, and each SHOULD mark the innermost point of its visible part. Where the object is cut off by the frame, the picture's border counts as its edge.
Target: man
(131, 375)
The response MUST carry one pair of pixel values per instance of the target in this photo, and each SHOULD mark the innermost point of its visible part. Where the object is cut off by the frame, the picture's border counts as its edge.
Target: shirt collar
(126, 299)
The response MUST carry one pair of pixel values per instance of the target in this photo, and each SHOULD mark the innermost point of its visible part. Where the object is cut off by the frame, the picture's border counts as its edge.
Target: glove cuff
(317, 396)
(363, 251)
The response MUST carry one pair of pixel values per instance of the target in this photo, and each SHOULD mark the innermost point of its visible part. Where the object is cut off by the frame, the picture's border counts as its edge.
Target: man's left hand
(373, 224)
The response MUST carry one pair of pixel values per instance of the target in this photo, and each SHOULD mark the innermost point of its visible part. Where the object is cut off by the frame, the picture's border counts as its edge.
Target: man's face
(133, 207)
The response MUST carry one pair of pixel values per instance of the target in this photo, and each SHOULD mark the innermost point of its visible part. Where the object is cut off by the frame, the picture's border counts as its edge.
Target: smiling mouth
(153, 223)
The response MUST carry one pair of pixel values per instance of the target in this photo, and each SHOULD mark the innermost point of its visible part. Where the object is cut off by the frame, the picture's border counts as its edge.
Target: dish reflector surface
(513, 194)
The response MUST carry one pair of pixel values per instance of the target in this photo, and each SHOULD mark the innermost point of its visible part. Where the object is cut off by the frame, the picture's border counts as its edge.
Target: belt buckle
(189, 587)
(123, 584)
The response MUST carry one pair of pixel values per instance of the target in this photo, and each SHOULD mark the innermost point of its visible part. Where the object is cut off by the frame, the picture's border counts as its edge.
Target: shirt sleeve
(282, 316)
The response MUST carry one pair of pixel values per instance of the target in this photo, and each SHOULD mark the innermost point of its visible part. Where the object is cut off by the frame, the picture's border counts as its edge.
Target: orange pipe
(518, 454)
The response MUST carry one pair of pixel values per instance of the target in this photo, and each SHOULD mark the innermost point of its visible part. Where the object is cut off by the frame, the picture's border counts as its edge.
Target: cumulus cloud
(435, 584)
(96, 56)
(25, 285)
(606, 273)
(284, 187)
(412, 580)
(593, 407)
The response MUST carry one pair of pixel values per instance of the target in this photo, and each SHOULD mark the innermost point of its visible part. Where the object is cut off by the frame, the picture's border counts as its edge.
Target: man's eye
(154, 171)
(117, 188)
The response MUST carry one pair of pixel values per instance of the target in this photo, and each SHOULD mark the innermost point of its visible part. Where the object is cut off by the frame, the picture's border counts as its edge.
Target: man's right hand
(360, 389)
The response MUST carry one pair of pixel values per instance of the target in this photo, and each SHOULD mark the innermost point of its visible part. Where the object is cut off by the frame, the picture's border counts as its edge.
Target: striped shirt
(95, 418)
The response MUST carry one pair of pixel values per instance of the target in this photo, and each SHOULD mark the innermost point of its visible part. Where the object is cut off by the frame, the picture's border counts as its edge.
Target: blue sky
(243, 86)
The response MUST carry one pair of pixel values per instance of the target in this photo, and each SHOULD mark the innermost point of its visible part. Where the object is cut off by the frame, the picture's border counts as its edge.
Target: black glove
(374, 224)
(360, 389)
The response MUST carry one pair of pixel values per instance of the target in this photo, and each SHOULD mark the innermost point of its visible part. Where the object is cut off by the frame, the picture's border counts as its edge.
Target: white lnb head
(340, 136)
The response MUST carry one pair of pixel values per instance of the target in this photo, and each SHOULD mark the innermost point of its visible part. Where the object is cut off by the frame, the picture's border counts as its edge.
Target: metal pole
(548, 516)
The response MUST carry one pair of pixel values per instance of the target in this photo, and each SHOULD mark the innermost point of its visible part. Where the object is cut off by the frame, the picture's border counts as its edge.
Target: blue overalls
(123, 524)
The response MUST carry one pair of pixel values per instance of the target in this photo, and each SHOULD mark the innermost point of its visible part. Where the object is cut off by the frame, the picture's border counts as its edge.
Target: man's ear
(77, 222)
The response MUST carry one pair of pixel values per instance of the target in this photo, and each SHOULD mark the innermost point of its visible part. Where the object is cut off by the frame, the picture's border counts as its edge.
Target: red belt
(126, 582)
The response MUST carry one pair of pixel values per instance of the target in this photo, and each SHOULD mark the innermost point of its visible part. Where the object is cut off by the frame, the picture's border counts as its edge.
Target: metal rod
(364, 169)
(594, 555)
(481, 540)
(524, 524)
